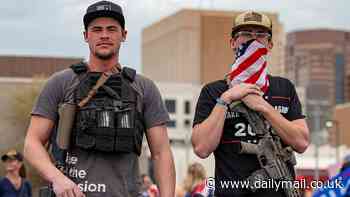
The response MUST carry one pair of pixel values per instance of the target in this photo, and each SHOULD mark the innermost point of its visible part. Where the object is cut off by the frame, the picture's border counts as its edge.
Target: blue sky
(54, 28)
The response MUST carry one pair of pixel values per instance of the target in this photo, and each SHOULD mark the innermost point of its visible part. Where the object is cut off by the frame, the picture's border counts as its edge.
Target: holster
(46, 191)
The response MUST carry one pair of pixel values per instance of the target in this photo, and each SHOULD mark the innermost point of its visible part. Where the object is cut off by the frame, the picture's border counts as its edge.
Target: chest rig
(110, 121)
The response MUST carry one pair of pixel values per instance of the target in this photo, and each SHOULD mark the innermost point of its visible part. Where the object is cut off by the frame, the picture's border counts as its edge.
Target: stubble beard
(105, 56)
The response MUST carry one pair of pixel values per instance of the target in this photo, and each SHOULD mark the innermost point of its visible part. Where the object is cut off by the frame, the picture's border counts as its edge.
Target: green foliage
(23, 98)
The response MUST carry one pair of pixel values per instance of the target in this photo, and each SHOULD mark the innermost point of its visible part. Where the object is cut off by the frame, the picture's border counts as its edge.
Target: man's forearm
(37, 156)
(165, 173)
(291, 133)
(206, 135)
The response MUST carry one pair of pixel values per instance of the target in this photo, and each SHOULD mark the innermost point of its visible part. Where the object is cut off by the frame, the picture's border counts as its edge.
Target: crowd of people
(194, 184)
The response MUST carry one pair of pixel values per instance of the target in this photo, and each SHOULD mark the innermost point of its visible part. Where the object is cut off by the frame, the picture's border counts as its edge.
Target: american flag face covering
(250, 65)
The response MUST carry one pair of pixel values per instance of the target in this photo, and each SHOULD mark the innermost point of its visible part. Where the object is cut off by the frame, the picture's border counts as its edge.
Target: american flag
(250, 65)
(202, 189)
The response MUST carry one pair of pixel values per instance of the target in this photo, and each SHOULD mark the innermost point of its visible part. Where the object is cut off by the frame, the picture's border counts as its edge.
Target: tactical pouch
(109, 122)
(66, 120)
(125, 131)
(85, 141)
(105, 119)
(46, 191)
(125, 119)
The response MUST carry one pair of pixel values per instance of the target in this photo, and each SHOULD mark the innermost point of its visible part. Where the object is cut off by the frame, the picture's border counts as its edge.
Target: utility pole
(316, 113)
(334, 125)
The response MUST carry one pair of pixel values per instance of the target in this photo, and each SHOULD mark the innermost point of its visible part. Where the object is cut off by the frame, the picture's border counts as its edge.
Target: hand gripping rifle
(272, 156)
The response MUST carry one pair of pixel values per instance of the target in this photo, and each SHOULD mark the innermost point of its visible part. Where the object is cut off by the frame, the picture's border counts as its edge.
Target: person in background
(149, 188)
(339, 185)
(195, 182)
(14, 183)
(346, 163)
(180, 191)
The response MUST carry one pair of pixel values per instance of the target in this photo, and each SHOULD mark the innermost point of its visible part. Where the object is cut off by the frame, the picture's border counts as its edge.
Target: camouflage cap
(252, 18)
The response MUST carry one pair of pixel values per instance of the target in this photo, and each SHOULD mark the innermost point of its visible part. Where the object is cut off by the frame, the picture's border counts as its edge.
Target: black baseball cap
(12, 154)
(104, 9)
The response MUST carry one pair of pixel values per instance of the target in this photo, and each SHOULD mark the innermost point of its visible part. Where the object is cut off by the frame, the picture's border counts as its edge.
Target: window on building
(347, 36)
(170, 104)
(187, 123)
(339, 78)
(187, 107)
(171, 124)
(291, 50)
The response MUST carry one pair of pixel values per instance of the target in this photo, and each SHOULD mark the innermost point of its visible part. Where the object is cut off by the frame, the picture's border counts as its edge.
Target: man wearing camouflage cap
(115, 107)
(219, 130)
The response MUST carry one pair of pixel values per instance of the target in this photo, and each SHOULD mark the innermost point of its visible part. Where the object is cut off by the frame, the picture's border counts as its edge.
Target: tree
(21, 103)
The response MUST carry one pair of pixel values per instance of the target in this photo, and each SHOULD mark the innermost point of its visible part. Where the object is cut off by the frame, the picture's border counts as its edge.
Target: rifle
(272, 156)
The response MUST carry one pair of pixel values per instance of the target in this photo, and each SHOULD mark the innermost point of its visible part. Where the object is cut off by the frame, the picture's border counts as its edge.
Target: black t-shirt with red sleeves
(229, 165)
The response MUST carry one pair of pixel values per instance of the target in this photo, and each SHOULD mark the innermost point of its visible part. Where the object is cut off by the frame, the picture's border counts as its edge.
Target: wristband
(221, 102)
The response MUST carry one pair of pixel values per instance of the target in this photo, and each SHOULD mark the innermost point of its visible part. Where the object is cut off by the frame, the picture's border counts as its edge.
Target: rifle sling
(103, 78)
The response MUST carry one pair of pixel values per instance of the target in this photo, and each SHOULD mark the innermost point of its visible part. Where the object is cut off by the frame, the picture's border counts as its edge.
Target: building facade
(29, 66)
(339, 131)
(192, 46)
(319, 61)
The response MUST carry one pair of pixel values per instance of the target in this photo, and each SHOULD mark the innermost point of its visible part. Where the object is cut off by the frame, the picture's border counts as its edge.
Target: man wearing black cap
(114, 108)
(220, 130)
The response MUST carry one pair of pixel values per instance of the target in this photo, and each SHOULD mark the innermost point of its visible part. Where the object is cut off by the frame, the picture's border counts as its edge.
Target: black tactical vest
(110, 121)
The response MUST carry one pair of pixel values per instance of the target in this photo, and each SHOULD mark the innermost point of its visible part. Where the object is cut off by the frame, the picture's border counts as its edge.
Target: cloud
(55, 27)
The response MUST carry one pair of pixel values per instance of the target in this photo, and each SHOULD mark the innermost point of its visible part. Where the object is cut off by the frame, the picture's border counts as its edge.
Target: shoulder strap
(129, 73)
(103, 78)
(79, 68)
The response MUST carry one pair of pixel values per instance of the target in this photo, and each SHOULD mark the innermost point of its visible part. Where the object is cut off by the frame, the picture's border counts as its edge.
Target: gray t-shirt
(99, 173)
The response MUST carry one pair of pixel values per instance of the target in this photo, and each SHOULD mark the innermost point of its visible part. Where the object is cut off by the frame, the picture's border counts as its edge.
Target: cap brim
(6, 157)
(236, 28)
(14, 157)
(103, 13)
